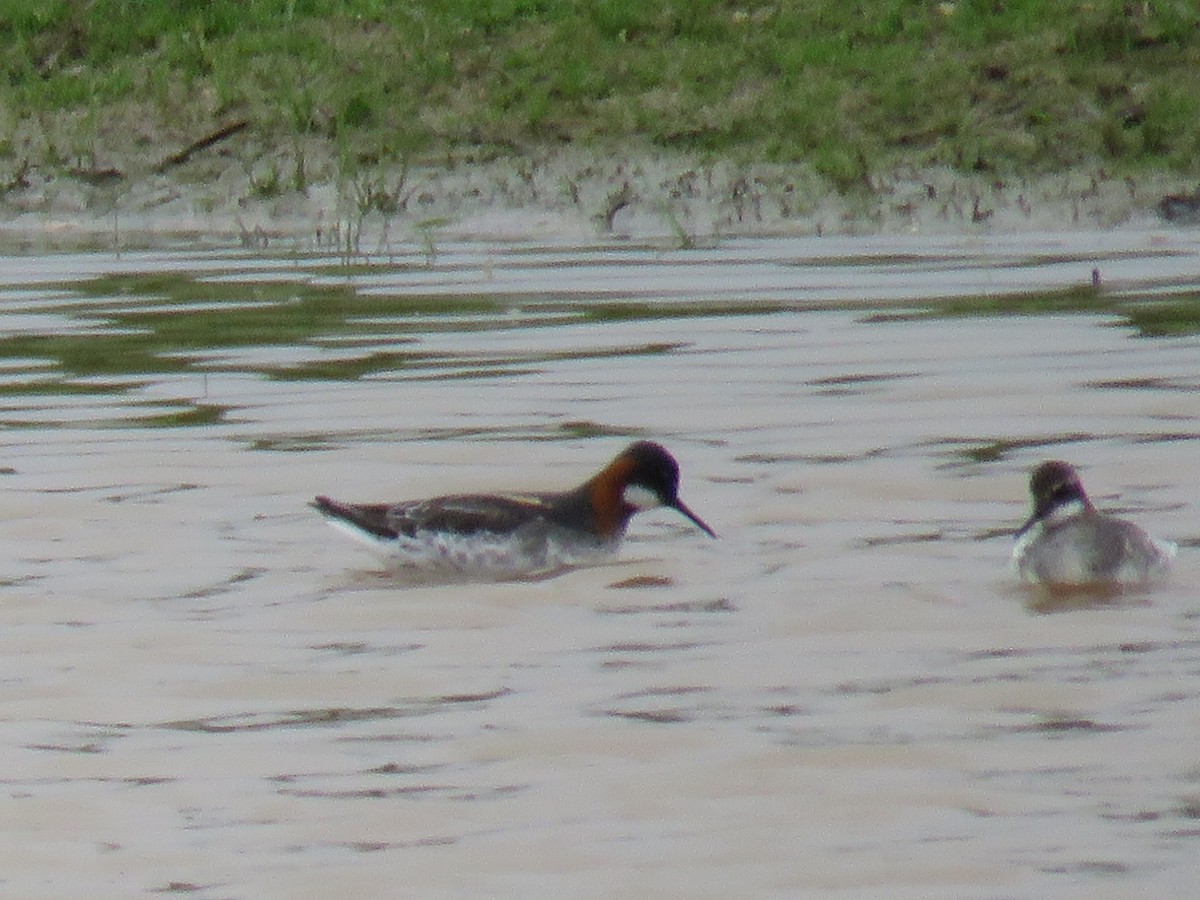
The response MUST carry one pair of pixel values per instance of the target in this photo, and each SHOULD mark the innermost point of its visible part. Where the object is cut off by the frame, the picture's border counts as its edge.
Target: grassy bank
(847, 86)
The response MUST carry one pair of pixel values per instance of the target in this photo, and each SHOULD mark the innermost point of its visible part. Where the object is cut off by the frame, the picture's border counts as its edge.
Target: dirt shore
(233, 191)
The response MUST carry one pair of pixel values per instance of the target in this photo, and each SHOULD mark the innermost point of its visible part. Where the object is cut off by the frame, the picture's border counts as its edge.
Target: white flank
(478, 556)
(1025, 541)
(384, 548)
(1166, 549)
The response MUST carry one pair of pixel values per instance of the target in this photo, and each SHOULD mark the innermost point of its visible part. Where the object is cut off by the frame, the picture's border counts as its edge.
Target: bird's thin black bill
(696, 520)
(1029, 523)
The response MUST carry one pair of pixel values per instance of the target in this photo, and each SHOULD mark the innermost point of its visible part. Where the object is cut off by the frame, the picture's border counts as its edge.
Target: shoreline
(581, 197)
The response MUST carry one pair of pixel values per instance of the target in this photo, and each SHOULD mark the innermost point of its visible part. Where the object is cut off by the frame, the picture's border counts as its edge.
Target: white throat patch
(640, 498)
(1064, 511)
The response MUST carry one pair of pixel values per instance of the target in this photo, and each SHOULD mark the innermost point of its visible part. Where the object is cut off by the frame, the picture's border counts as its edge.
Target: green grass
(847, 86)
(1150, 316)
(147, 334)
(155, 340)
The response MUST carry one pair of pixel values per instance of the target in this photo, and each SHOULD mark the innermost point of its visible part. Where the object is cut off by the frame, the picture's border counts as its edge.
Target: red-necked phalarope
(1067, 541)
(510, 535)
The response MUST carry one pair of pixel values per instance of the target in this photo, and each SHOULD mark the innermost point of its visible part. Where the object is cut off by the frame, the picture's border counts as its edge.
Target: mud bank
(230, 190)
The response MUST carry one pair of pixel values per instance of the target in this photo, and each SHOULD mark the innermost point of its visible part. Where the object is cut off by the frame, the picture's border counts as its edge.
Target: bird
(506, 535)
(1067, 541)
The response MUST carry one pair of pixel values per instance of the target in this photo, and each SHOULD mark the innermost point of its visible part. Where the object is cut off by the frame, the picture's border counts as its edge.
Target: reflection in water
(1057, 598)
(206, 692)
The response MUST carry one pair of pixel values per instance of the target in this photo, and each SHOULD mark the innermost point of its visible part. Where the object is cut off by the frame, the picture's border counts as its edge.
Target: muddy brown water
(207, 692)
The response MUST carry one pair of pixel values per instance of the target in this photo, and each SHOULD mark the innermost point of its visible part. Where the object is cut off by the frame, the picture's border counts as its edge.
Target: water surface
(208, 692)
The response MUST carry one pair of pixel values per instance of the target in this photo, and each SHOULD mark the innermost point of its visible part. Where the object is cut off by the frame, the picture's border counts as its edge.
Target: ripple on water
(845, 687)
(330, 716)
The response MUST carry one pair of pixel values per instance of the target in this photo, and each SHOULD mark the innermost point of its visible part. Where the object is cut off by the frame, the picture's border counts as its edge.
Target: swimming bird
(511, 535)
(1067, 541)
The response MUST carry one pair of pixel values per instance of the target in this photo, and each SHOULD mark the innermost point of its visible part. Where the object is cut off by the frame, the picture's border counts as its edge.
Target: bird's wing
(465, 515)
